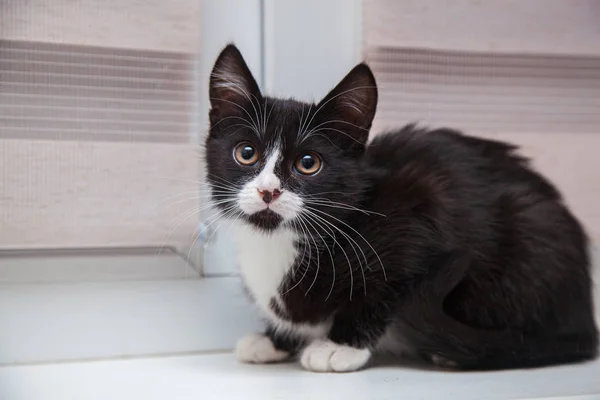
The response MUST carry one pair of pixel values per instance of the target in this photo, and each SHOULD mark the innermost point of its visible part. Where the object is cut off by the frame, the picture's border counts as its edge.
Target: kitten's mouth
(266, 219)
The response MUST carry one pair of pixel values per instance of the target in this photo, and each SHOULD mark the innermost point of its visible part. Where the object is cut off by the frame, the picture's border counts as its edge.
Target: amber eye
(245, 154)
(308, 164)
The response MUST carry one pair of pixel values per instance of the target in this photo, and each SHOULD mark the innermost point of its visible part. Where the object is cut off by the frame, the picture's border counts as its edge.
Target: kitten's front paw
(258, 349)
(325, 356)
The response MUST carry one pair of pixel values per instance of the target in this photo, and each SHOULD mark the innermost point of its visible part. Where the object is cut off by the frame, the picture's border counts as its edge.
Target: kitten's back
(526, 297)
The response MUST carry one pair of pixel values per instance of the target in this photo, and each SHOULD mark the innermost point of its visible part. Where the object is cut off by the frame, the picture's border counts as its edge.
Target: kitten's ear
(353, 101)
(232, 86)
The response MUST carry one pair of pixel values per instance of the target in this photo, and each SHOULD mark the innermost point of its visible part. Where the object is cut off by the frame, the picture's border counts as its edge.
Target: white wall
(310, 45)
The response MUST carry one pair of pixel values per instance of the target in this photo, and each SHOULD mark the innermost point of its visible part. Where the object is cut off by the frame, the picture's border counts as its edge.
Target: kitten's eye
(308, 164)
(245, 154)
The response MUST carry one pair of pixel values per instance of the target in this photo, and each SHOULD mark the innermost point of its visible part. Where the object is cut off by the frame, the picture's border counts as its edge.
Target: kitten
(424, 242)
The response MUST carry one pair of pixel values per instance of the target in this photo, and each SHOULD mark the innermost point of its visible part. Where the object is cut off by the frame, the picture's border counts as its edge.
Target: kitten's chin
(266, 219)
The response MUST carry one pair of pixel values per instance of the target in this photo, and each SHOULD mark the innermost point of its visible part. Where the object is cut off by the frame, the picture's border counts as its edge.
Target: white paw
(325, 356)
(258, 349)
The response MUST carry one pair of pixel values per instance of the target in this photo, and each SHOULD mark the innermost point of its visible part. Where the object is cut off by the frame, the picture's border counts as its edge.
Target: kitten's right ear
(232, 86)
(350, 107)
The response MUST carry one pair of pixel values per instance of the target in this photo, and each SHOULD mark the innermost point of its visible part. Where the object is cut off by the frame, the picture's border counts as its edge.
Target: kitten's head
(274, 161)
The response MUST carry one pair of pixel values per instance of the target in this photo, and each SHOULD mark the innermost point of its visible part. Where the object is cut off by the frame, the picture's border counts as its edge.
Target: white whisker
(315, 218)
(254, 126)
(305, 232)
(361, 236)
(332, 262)
(337, 95)
(343, 206)
(247, 123)
(335, 130)
(187, 214)
(231, 209)
(227, 83)
(352, 244)
(318, 261)
(334, 121)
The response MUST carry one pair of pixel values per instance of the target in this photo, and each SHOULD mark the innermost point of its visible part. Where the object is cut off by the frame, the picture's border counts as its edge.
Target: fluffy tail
(437, 336)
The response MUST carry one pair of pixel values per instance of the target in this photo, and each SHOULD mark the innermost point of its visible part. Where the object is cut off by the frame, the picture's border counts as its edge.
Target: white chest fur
(264, 261)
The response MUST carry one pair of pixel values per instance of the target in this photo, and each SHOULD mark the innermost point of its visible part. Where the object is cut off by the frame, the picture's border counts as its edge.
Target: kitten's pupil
(308, 162)
(247, 152)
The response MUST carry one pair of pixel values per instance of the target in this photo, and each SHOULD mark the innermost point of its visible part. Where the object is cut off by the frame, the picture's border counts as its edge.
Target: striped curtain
(98, 123)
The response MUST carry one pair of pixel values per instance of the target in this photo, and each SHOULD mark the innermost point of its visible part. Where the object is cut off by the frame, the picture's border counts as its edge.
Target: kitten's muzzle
(269, 196)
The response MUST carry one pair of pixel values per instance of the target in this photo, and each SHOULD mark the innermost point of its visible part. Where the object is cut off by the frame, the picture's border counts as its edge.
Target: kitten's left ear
(353, 101)
(232, 86)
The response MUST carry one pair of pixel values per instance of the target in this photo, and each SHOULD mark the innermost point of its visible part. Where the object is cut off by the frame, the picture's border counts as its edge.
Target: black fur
(451, 242)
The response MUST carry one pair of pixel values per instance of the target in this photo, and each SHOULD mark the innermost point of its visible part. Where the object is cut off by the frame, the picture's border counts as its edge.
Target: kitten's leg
(348, 347)
(358, 328)
(268, 347)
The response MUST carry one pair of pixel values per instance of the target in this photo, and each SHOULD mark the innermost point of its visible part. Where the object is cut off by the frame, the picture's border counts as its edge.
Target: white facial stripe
(266, 179)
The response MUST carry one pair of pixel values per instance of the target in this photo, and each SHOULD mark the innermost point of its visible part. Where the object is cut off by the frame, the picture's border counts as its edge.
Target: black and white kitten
(424, 242)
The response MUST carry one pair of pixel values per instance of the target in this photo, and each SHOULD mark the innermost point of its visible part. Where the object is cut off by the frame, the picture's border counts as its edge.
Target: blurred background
(103, 109)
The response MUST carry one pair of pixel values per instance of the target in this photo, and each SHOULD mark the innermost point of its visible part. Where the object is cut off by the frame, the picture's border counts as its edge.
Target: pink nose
(269, 196)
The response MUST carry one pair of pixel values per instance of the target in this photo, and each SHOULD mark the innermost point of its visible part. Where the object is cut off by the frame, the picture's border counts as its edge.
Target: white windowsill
(67, 308)
(219, 376)
(108, 330)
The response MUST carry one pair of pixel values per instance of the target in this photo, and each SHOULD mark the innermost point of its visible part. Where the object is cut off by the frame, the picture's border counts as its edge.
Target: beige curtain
(98, 123)
(524, 71)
